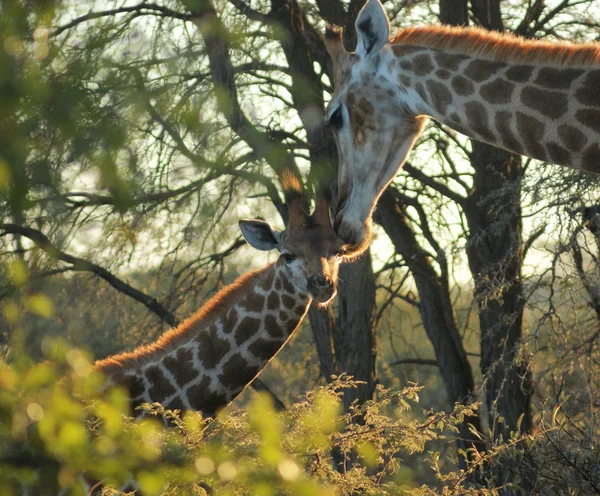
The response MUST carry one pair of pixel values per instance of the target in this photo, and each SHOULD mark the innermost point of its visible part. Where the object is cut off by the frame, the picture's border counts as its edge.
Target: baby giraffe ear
(260, 234)
(372, 28)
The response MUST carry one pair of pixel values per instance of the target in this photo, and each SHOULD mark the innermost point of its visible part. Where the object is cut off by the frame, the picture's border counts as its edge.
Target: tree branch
(222, 72)
(414, 361)
(428, 181)
(152, 8)
(79, 264)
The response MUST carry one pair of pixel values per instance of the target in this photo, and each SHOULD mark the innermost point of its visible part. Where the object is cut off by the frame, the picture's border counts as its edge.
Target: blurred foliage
(63, 430)
(111, 145)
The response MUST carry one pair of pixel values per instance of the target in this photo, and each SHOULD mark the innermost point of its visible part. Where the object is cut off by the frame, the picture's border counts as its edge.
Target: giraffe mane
(171, 339)
(500, 47)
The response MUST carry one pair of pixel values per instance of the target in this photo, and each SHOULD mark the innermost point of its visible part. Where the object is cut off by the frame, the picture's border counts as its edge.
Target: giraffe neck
(210, 358)
(544, 111)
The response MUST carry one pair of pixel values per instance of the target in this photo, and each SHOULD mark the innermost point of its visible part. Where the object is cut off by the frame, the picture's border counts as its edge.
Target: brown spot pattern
(557, 78)
(449, 61)
(248, 327)
(591, 158)
(462, 86)
(400, 50)
(237, 373)
(181, 366)
(481, 70)
(532, 132)
(265, 350)
(273, 301)
(502, 121)
(273, 328)
(558, 154)
(160, 386)
(552, 104)
(299, 310)
(211, 348)
(443, 74)
(288, 287)
(573, 137)
(134, 384)
(422, 65)
(519, 73)
(440, 96)
(267, 282)
(404, 80)
(175, 404)
(497, 91)
(478, 120)
(589, 118)
(230, 321)
(253, 302)
(589, 92)
(421, 91)
(288, 301)
(291, 325)
(204, 400)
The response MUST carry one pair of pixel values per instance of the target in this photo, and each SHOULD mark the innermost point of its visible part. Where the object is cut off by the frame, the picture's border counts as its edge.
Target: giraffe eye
(288, 258)
(336, 119)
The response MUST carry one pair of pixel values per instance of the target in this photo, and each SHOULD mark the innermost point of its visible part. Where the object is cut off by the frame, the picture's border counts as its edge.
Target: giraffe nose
(319, 281)
(321, 287)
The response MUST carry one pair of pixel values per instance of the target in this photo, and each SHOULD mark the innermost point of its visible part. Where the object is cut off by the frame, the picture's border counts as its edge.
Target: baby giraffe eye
(288, 258)
(336, 119)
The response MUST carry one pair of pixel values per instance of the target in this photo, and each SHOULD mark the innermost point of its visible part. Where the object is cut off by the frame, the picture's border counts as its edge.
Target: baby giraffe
(210, 358)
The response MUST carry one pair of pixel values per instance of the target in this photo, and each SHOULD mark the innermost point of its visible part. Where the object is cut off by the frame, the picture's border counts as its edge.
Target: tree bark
(346, 342)
(495, 256)
(437, 315)
(354, 336)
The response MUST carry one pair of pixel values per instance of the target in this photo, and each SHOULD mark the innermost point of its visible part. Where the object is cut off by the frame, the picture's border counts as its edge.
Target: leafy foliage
(62, 429)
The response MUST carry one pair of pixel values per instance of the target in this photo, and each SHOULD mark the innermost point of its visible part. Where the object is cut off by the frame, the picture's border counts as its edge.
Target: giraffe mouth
(357, 237)
(323, 296)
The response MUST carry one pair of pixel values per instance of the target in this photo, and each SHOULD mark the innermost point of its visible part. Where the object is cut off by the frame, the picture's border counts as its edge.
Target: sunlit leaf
(41, 305)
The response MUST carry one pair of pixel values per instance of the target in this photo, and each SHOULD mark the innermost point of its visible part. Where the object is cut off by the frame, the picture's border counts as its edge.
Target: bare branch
(141, 8)
(414, 361)
(221, 68)
(79, 264)
(428, 181)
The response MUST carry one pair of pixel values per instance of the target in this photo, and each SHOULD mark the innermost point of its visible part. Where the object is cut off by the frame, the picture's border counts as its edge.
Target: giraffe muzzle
(356, 235)
(321, 288)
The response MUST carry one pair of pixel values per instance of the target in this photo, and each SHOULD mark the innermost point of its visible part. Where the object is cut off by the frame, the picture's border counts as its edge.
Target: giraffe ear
(260, 234)
(372, 28)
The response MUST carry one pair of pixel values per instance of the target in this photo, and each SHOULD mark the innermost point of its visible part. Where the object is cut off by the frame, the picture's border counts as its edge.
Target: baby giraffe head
(310, 250)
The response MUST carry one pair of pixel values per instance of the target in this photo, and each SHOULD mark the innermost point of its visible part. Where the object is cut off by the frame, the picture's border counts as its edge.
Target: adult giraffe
(208, 360)
(535, 98)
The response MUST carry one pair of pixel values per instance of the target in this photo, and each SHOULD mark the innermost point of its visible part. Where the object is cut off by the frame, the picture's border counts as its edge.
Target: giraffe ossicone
(210, 358)
(538, 99)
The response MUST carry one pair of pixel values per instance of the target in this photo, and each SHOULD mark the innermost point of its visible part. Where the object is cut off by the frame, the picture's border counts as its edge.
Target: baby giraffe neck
(210, 358)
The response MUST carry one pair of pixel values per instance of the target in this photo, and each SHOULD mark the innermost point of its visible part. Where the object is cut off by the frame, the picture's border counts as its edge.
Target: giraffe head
(310, 250)
(372, 120)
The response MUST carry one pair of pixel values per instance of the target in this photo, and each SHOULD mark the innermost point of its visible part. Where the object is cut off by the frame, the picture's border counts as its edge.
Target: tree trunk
(346, 343)
(437, 315)
(495, 255)
(354, 337)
